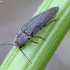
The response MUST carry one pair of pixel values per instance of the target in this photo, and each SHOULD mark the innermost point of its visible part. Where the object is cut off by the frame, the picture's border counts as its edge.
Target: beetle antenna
(6, 44)
(25, 55)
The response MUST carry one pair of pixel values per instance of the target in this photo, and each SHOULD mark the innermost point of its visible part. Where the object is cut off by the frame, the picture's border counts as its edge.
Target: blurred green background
(15, 13)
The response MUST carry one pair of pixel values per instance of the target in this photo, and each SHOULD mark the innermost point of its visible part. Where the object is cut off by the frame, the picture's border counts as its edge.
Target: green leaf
(40, 54)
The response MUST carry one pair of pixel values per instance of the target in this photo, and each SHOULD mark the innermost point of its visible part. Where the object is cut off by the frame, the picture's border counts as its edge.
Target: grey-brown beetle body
(34, 25)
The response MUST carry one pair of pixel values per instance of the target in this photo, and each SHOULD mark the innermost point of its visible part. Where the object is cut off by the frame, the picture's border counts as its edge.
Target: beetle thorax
(21, 39)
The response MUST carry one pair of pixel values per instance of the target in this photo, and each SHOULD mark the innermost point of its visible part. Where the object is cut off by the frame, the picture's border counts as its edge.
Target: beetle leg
(32, 41)
(53, 21)
(38, 37)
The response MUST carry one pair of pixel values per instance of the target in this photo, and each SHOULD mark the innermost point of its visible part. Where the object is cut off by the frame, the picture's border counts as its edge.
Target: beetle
(32, 27)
